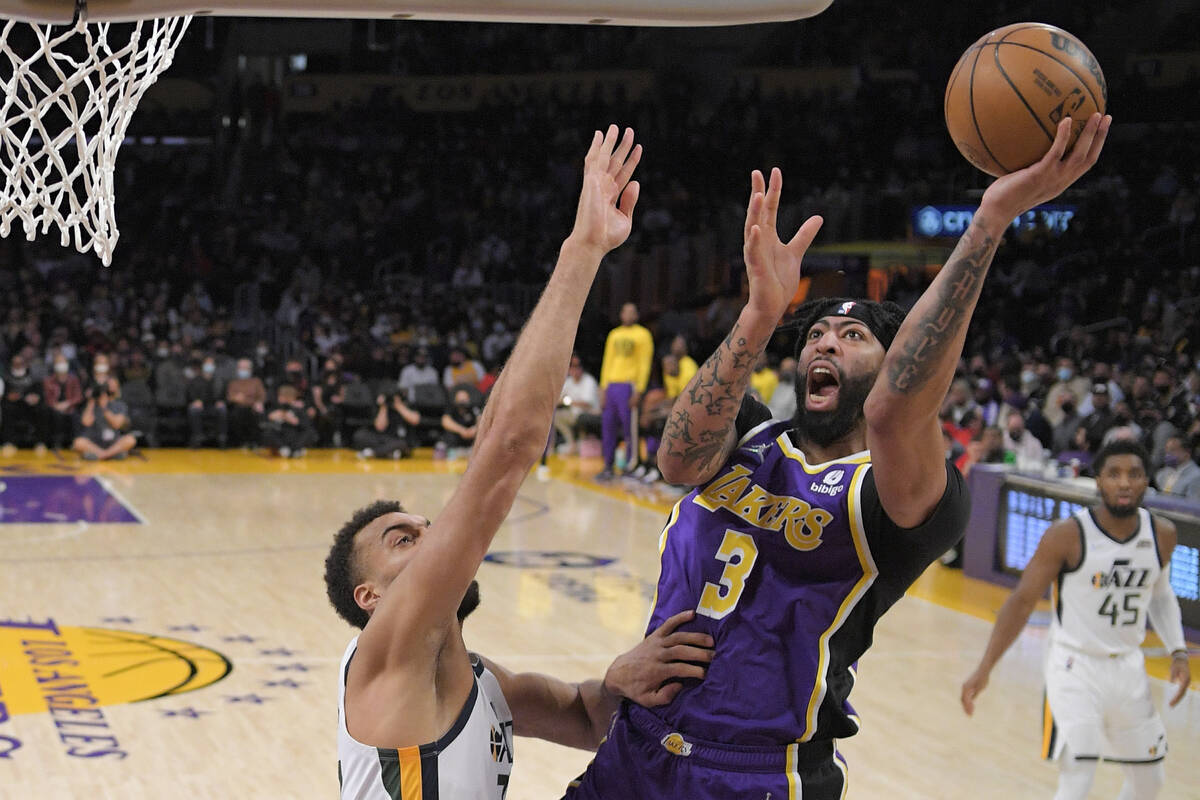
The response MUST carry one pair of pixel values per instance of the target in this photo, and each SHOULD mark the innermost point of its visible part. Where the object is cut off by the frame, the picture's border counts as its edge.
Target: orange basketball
(1011, 88)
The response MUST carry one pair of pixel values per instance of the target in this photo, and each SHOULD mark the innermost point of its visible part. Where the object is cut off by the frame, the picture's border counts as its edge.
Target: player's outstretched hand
(1181, 676)
(651, 672)
(972, 687)
(606, 201)
(772, 266)
(1017, 192)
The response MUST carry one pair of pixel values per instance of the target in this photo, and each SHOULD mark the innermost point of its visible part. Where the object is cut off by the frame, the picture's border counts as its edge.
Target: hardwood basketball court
(165, 632)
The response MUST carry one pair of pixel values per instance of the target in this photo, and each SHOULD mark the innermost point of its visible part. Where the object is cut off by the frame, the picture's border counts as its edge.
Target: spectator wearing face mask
(1180, 474)
(63, 392)
(1102, 417)
(103, 423)
(206, 405)
(328, 398)
(460, 420)
(461, 369)
(101, 372)
(288, 428)
(1066, 381)
(1102, 373)
(1020, 441)
(246, 397)
(293, 375)
(22, 417)
(419, 373)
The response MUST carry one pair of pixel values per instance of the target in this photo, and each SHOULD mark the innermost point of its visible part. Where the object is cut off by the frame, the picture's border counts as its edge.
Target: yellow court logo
(72, 673)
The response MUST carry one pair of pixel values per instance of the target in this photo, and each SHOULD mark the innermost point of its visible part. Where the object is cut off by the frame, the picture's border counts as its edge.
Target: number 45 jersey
(788, 565)
(1100, 606)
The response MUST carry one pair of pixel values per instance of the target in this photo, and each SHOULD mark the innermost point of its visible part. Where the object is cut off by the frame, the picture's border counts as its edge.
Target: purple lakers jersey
(788, 566)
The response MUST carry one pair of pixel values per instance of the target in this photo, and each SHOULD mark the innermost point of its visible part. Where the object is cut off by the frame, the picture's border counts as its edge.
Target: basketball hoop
(68, 95)
(71, 84)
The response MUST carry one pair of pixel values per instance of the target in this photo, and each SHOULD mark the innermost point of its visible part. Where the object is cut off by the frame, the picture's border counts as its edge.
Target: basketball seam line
(975, 120)
(1065, 66)
(1017, 92)
(958, 68)
(950, 85)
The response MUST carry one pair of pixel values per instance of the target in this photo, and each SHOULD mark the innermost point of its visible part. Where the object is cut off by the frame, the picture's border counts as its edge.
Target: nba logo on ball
(1010, 89)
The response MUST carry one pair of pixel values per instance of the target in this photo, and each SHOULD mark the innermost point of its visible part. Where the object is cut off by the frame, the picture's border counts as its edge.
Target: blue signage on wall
(934, 221)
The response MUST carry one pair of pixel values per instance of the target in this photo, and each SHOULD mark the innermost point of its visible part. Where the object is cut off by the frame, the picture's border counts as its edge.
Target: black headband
(882, 319)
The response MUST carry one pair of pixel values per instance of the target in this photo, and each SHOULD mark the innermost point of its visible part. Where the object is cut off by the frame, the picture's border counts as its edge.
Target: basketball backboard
(611, 12)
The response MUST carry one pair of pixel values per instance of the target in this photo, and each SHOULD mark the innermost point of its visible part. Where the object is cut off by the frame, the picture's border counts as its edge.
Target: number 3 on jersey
(739, 553)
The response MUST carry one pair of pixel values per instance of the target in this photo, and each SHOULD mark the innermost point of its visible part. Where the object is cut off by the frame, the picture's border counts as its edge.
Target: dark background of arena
(255, 205)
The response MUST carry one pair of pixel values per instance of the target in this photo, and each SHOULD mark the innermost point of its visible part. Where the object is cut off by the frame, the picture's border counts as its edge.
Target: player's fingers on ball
(1059, 146)
(1087, 135)
(1098, 142)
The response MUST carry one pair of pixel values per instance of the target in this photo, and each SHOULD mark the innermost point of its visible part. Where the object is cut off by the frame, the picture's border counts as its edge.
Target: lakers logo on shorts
(675, 743)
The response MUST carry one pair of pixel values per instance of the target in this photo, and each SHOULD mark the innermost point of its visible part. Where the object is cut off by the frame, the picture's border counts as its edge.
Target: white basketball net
(68, 96)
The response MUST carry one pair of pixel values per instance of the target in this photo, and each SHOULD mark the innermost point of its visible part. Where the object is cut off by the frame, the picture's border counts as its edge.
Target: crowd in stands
(356, 279)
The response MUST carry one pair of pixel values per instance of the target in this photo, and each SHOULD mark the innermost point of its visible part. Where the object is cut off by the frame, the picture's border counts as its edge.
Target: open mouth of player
(822, 386)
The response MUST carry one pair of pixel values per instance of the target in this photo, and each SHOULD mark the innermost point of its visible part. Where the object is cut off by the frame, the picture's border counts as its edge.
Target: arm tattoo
(714, 395)
(926, 347)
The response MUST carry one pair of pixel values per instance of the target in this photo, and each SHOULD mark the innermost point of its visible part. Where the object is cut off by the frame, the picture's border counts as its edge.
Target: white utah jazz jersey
(1100, 607)
(471, 762)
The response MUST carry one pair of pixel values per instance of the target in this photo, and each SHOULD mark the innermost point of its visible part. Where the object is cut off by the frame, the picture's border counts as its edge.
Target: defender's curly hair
(1120, 447)
(341, 567)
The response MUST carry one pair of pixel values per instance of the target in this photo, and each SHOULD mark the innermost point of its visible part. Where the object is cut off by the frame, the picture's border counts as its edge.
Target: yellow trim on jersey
(793, 777)
(1047, 728)
(796, 454)
(860, 587)
(662, 546)
(837, 762)
(410, 772)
